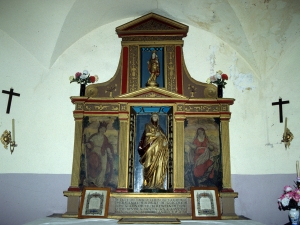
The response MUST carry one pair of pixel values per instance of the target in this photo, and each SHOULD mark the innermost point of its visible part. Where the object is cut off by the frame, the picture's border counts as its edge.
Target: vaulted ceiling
(252, 27)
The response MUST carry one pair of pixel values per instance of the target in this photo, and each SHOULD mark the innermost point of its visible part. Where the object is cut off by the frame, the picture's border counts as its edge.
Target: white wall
(43, 112)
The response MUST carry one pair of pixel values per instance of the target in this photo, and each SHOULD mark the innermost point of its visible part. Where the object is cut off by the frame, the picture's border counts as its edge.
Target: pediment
(152, 24)
(152, 92)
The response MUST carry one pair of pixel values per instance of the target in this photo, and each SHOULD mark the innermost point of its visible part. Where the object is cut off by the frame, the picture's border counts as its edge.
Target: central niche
(139, 117)
(146, 56)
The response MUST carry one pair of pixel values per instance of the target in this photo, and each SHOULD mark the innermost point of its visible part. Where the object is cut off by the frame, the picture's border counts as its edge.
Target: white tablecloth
(63, 221)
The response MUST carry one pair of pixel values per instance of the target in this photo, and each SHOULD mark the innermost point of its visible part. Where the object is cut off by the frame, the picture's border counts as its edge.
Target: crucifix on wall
(11, 93)
(280, 103)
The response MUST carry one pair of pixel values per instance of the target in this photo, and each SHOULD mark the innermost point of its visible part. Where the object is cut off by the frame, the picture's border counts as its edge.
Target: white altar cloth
(91, 221)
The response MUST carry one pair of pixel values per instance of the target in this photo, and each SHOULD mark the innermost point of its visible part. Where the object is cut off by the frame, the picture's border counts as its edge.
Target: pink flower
(77, 75)
(213, 78)
(287, 188)
(296, 195)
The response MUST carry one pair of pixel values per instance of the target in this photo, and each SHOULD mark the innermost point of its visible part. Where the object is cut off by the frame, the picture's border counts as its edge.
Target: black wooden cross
(280, 103)
(11, 93)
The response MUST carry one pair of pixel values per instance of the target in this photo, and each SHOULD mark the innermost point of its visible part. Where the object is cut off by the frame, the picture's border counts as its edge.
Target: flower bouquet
(83, 78)
(289, 199)
(219, 79)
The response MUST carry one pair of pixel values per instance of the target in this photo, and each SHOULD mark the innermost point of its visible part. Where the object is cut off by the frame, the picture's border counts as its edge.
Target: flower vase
(220, 91)
(294, 216)
(82, 90)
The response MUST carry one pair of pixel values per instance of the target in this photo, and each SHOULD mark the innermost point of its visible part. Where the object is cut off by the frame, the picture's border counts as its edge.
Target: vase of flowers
(289, 200)
(294, 216)
(83, 79)
(220, 80)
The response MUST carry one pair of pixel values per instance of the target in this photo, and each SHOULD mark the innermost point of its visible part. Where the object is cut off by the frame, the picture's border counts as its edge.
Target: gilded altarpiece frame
(194, 105)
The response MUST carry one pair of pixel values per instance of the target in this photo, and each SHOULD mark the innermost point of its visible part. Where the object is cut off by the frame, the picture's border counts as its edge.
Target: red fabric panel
(124, 70)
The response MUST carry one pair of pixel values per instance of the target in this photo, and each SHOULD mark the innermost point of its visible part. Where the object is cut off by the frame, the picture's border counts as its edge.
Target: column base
(227, 204)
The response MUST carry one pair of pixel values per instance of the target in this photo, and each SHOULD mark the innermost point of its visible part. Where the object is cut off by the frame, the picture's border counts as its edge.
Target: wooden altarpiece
(120, 107)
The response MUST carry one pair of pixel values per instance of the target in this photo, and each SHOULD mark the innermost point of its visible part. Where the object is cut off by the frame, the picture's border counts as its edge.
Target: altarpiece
(111, 117)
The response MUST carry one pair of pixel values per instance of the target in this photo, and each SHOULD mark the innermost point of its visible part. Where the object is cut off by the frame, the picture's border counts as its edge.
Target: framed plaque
(205, 203)
(94, 202)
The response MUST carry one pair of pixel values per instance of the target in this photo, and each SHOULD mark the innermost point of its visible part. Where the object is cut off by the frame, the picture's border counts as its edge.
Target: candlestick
(13, 129)
(297, 168)
(285, 127)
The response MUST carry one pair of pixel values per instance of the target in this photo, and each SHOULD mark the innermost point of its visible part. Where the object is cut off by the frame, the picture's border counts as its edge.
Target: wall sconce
(8, 139)
(287, 136)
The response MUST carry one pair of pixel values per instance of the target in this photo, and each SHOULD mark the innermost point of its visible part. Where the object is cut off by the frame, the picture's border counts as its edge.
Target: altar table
(91, 221)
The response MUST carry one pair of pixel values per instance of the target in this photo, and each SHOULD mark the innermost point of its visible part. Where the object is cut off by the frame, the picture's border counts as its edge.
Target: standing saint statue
(153, 68)
(154, 153)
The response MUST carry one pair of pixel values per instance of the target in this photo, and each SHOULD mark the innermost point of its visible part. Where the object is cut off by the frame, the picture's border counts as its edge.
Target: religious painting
(100, 157)
(152, 66)
(94, 203)
(202, 155)
(205, 203)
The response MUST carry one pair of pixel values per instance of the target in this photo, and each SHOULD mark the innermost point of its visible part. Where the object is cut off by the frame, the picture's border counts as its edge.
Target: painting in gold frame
(205, 203)
(202, 153)
(94, 202)
(100, 158)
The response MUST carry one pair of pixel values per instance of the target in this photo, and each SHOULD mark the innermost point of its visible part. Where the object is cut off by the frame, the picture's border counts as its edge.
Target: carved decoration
(92, 92)
(171, 71)
(133, 68)
(224, 108)
(180, 107)
(151, 95)
(79, 106)
(101, 107)
(153, 24)
(110, 90)
(123, 107)
(210, 92)
(202, 108)
(193, 90)
(152, 38)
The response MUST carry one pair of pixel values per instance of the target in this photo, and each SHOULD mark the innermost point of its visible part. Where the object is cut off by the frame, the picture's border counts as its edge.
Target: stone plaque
(151, 206)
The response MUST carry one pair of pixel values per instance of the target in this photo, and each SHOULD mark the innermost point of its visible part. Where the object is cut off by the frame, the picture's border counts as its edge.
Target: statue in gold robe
(154, 153)
(153, 68)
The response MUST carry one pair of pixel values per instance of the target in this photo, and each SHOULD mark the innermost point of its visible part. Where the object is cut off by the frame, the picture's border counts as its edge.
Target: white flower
(84, 74)
(96, 77)
(208, 80)
(218, 76)
(285, 201)
(71, 78)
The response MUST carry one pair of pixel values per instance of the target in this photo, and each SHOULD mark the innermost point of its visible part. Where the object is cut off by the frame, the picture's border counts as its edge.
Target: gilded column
(123, 154)
(77, 150)
(178, 159)
(226, 153)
